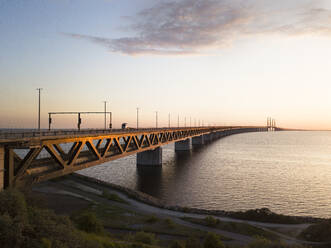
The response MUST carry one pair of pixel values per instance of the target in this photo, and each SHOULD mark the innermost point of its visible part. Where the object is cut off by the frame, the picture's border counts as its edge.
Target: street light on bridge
(137, 118)
(105, 102)
(39, 89)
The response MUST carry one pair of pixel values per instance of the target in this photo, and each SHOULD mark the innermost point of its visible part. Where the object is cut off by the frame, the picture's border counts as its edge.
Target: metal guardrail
(7, 135)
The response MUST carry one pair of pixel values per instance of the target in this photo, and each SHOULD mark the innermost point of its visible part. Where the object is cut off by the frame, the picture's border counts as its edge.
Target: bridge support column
(206, 137)
(198, 141)
(2, 168)
(151, 157)
(183, 145)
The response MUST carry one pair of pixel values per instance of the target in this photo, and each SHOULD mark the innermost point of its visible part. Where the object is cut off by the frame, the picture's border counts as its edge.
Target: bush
(10, 232)
(169, 222)
(13, 203)
(58, 229)
(46, 243)
(145, 238)
(192, 242)
(211, 221)
(177, 244)
(213, 241)
(136, 245)
(265, 215)
(99, 241)
(113, 197)
(88, 222)
(25, 227)
(264, 243)
(320, 232)
(152, 219)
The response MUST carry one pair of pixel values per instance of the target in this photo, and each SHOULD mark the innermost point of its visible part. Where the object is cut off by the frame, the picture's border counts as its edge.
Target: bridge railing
(8, 134)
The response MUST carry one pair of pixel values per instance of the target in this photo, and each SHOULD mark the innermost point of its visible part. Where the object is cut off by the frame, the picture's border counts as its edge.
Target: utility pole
(105, 102)
(185, 121)
(39, 89)
(190, 121)
(178, 121)
(156, 119)
(169, 120)
(137, 118)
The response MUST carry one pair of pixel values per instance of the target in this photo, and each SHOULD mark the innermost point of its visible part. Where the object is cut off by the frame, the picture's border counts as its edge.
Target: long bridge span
(32, 157)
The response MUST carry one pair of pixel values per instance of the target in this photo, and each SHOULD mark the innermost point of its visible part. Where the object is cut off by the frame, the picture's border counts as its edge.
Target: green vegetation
(265, 215)
(177, 244)
(213, 241)
(119, 218)
(320, 232)
(235, 227)
(193, 242)
(170, 223)
(24, 224)
(88, 222)
(264, 243)
(211, 221)
(152, 219)
(145, 238)
(28, 226)
(113, 197)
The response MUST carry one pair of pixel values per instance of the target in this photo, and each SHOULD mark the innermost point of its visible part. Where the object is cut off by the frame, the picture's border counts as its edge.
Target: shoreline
(259, 215)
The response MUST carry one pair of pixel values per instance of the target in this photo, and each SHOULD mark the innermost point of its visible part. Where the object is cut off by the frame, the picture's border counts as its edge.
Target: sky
(223, 62)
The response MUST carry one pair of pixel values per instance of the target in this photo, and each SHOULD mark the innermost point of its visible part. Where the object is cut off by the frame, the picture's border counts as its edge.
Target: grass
(113, 197)
(114, 217)
(241, 228)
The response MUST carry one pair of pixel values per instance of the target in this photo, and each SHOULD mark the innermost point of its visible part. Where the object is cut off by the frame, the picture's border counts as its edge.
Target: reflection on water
(149, 179)
(288, 172)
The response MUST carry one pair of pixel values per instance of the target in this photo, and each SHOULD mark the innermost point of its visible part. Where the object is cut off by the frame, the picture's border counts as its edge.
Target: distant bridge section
(31, 157)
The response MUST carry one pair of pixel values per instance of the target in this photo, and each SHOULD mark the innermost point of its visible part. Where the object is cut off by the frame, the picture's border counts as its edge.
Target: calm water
(287, 172)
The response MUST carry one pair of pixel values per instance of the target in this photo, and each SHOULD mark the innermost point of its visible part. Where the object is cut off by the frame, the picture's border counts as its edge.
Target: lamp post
(39, 89)
(105, 102)
(137, 118)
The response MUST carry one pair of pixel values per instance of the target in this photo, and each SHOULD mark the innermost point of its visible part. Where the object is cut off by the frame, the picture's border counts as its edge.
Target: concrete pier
(2, 168)
(150, 157)
(198, 141)
(183, 145)
(207, 138)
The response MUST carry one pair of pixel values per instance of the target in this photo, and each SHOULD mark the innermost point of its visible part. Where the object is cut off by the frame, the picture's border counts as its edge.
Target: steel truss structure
(66, 154)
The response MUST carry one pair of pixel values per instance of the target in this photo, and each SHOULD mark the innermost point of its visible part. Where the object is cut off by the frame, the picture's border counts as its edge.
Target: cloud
(193, 26)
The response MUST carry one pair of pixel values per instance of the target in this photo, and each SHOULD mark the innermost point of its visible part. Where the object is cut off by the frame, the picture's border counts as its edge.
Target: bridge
(32, 157)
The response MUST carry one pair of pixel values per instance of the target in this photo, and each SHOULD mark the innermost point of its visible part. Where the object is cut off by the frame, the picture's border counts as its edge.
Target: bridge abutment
(198, 141)
(183, 145)
(150, 157)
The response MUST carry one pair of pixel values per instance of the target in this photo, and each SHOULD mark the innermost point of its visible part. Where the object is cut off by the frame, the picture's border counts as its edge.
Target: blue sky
(224, 62)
